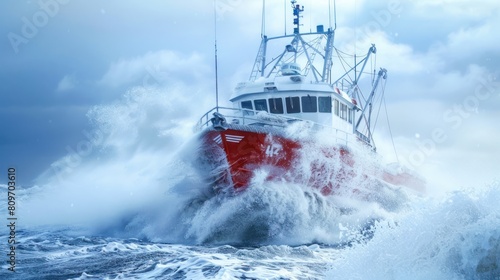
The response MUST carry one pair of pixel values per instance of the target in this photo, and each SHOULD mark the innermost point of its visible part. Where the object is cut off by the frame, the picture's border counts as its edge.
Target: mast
(260, 61)
(259, 65)
(296, 28)
(328, 63)
(301, 49)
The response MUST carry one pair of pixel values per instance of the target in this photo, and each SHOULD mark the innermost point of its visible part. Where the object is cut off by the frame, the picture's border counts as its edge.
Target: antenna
(263, 28)
(355, 37)
(334, 15)
(330, 14)
(310, 17)
(297, 9)
(284, 15)
(215, 49)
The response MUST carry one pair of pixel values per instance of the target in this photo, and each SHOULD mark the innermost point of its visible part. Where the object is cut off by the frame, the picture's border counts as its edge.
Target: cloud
(155, 68)
(437, 52)
(462, 9)
(395, 56)
(446, 83)
(465, 46)
(67, 83)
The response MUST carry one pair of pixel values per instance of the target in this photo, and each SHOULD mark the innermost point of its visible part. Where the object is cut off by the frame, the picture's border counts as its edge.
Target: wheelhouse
(290, 96)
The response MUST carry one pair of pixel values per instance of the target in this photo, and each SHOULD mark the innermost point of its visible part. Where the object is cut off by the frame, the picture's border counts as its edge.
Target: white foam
(455, 238)
(144, 179)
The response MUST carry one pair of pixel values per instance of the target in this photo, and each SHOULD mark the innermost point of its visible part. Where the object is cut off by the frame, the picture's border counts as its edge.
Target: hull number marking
(273, 150)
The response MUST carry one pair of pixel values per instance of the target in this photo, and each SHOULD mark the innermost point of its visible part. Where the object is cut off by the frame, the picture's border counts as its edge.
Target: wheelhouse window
(336, 106)
(309, 104)
(276, 105)
(343, 111)
(351, 114)
(325, 104)
(247, 105)
(260, 105)
(292, 105)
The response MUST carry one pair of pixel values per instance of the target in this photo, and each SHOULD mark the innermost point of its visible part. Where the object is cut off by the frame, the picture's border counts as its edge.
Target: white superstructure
(297, 82)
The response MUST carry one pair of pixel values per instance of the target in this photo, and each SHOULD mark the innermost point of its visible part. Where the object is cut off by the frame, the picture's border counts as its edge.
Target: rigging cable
(342, 61)
(387, 118)
(390, 131)
(379, 107)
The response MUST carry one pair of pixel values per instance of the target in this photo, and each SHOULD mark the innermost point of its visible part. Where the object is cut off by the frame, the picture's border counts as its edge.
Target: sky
(62, 58)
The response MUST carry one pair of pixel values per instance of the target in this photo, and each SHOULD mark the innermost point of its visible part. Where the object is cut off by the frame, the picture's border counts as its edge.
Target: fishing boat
(293, 91)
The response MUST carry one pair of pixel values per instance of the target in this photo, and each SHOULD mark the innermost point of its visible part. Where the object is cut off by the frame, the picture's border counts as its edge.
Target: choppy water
(133, 205)
(456, 237)
(62, 255)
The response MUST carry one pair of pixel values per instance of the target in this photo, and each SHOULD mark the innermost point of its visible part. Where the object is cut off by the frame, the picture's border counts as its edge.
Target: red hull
(234, 154)
(246, 151)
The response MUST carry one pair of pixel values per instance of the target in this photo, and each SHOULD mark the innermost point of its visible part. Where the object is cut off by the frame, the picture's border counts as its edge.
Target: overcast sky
(60, 58)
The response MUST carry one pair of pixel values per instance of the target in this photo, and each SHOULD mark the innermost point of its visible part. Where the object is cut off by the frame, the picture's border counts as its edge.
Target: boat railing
(244, 117)
(363, 137)
(263, 119)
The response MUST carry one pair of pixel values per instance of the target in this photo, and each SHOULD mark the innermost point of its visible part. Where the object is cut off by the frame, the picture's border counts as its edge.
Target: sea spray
(123, 174)
(145, 179)
(452, 238)
(288, 210)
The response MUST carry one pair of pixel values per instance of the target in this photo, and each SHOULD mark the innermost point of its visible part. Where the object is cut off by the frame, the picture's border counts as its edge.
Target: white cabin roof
(285, 84)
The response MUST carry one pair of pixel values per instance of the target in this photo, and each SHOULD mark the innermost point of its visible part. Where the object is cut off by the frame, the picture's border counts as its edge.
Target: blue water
(135, 205)
(455, 237)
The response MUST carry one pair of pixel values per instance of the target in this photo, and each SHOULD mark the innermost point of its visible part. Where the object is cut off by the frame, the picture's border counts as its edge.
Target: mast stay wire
(389, 126)
(382, 100)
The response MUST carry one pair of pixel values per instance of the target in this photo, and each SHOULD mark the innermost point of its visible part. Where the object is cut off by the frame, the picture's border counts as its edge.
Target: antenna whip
(263, 28)
(215, 49)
